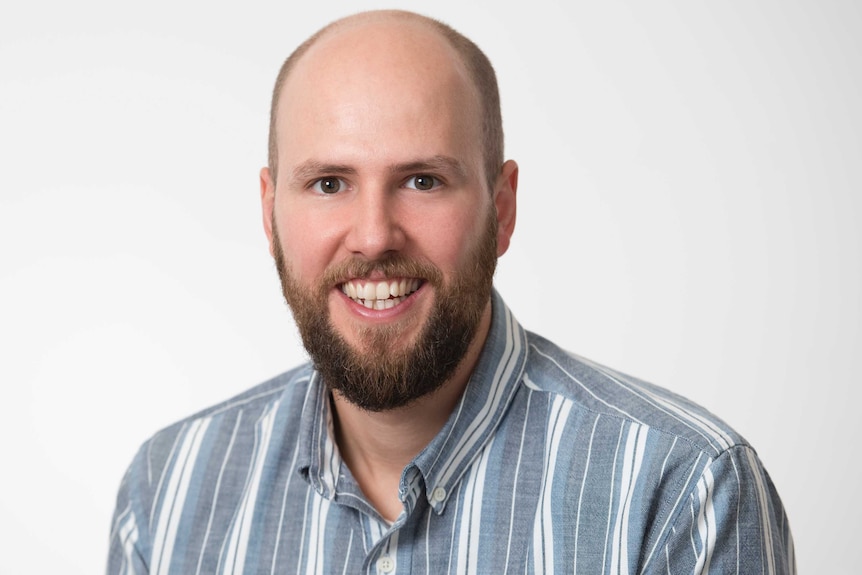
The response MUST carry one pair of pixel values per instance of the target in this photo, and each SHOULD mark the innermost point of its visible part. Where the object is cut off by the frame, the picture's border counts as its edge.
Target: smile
(380, 294)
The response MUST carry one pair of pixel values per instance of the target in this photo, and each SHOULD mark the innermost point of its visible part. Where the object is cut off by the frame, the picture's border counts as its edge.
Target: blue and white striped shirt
(549, 464)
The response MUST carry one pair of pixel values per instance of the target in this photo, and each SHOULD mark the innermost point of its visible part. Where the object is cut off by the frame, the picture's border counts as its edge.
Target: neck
(377, 446)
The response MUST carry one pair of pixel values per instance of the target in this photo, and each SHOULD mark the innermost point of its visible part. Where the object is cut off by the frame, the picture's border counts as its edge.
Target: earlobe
(267, 204)
(505, 201)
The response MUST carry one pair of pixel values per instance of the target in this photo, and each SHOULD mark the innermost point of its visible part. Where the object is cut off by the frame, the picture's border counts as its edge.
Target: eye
(422, 182)
(328, 185)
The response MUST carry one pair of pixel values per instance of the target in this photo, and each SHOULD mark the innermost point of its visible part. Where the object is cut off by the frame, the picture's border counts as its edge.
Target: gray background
(689, 212)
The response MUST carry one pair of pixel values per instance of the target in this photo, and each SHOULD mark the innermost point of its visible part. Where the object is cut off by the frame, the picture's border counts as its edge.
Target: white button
(439, 495)
(385, 564)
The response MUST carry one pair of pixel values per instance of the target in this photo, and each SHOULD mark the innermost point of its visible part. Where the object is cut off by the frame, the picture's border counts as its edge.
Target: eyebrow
(311, 169)
(437, 163)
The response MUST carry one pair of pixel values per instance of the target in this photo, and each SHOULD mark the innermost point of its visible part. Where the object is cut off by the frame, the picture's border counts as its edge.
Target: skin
(373, 104)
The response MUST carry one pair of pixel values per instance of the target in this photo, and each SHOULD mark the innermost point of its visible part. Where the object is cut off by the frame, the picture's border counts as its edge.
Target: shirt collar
(470, 427)
(480, 410)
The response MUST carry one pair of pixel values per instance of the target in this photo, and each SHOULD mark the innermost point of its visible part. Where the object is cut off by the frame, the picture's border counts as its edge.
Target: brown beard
(378, 378)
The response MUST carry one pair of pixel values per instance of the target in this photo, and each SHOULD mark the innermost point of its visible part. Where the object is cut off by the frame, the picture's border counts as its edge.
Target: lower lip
(381, 314)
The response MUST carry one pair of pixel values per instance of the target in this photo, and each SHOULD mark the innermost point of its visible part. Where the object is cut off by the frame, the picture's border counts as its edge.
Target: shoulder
(249, 406)
(594, 388)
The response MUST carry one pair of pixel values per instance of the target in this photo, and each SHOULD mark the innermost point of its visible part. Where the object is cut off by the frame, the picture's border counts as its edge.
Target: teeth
(382, 291)
(380, 295)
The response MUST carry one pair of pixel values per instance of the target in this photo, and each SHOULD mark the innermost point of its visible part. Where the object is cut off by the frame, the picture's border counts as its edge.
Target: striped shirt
(549, 464)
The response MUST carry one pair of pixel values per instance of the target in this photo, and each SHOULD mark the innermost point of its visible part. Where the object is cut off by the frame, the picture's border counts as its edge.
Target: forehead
(377, 80)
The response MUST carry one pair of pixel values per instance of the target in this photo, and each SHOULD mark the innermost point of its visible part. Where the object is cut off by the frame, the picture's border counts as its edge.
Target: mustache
(392, 266)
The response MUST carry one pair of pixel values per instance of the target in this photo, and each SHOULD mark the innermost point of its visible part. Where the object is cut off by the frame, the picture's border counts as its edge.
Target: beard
(385, 374)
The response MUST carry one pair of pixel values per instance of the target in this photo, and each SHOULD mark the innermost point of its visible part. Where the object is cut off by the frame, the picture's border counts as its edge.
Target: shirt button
(438, 495)
(385, 564)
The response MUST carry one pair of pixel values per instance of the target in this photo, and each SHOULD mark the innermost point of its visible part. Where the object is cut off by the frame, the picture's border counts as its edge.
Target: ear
(506, 203)
(267, 203)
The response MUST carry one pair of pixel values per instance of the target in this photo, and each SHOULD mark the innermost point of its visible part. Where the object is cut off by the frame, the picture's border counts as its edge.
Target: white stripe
(165, 469)
(632, 461)
(171, 509)
(284, 507)
(428, 515)
(611, 498)
(543, 529)
(309, 493)
(666, 457)
(346, 555)
(469, 526)
(691, 526)
(675, 506)
(316, 555)
(120, 520)
(216, 492)
(765, 523)
(705, 522)
(515, 481)
(128, 534)
(480, 423)
(738, 502)
(241, 528)
(452, 536)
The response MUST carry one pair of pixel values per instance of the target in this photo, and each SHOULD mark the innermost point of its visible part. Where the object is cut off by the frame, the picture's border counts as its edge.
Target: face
(383, 231)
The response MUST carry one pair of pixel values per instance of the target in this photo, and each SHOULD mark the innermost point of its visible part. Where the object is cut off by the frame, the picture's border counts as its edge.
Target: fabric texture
(550, 463)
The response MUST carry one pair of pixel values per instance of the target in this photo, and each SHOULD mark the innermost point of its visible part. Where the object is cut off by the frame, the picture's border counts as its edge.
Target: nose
(376, 229)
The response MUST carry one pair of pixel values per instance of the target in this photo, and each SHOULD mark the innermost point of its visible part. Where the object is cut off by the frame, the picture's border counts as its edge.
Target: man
(431, 433)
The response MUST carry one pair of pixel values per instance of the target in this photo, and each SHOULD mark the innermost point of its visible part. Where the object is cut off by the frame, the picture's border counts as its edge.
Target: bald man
(430, 433)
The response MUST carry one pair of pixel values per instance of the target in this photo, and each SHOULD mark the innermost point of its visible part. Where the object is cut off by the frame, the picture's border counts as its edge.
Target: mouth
(379, 295)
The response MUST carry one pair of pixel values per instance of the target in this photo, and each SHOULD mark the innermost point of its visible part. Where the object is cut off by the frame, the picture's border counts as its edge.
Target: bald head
(380, 40)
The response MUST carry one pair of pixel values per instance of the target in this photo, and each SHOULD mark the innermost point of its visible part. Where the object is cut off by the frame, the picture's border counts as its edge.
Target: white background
(689, 213)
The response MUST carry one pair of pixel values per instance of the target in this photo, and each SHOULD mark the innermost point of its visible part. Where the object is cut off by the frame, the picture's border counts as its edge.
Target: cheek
(304, 242)
(450, 238)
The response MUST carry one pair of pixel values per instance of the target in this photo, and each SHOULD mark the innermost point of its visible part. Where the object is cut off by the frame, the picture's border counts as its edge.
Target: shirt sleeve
(732, 522)
(128, 529)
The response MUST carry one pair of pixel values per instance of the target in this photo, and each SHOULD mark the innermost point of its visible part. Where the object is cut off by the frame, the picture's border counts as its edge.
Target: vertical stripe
(172, 506)
(705, 522)
(500, 389)
(611, 498)
(666, 457)
(283, 513)
(240, 532)
(344, 570)
(471, 517)
(515, 482)
(681, 493)
(543, 530)
(128, 534)
(157, 500)
(452, 534)
(632, 461)
(217, 490)
(581, 493)
(765, 524)
(736, 510)
(316, 551)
